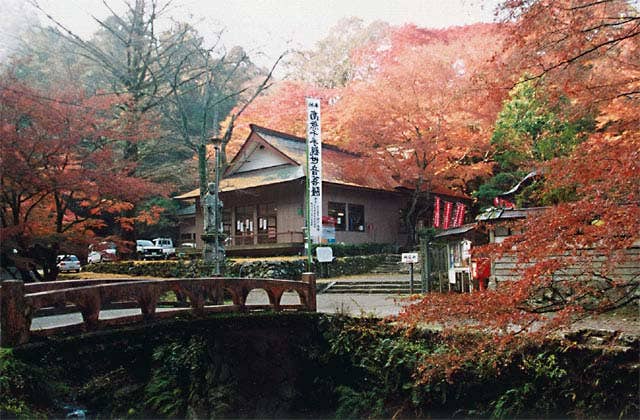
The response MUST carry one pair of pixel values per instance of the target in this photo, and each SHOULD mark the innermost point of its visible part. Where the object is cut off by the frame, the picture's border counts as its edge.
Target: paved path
(359, 304)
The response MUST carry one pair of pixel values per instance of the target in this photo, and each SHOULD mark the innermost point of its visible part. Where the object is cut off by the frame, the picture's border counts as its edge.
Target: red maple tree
(579, 257)
(282, 109)
(61, 172)
(412, 118)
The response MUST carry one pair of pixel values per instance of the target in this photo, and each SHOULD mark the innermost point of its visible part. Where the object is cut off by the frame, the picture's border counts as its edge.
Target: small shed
(449, 259)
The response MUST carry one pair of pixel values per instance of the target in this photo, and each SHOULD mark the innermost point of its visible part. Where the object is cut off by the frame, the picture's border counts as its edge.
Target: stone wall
(307, 366)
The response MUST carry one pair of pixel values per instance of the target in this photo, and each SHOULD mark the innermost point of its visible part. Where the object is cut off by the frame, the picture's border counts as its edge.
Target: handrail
(19, 302)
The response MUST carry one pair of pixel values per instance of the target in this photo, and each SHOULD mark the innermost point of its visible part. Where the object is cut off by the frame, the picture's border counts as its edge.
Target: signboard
(328, 234)
(328, 230)
(324, 254)
(314, 169)
(458, 219)
(436, 213)
(409, 257)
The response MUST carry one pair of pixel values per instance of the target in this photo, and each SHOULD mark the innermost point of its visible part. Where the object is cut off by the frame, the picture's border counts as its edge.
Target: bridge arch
(292, 297)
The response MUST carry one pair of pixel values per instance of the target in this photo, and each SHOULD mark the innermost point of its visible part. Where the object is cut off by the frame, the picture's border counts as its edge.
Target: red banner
(458, 219)
(447, 214)
(463, 210)
(436, 213)
(456, 215)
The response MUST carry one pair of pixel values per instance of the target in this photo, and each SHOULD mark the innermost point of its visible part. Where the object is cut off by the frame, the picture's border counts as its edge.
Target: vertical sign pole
(313, 176)
(307, 220)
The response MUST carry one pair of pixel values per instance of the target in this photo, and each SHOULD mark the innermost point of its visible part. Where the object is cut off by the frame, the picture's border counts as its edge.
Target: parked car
(166, 244)
(146, 249)
(68, 263)
(102, 252)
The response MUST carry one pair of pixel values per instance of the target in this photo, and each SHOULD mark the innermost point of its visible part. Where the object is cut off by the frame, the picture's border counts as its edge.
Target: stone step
(373, 291)
(371, 286)
(371, 283)
(392, 265)
(364, 286)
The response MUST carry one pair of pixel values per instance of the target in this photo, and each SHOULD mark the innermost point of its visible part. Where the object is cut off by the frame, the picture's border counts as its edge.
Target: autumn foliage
(556, 85)
(423, 107)
(62, 176)
(579, 257)
(407, 108)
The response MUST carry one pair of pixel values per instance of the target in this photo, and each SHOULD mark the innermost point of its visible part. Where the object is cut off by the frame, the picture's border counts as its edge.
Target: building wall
(288, 201)
(260, 159)
(188, 232)
(382, 211)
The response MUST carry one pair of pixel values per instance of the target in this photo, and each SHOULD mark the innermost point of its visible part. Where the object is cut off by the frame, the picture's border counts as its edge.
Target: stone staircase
(387, 286)
(392, 265)
(390, 277)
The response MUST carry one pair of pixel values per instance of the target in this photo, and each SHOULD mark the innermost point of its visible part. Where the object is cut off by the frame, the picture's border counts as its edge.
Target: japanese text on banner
(314, 168)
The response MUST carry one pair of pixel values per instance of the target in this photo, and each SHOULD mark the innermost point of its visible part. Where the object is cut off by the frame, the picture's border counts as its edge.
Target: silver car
(68, 263)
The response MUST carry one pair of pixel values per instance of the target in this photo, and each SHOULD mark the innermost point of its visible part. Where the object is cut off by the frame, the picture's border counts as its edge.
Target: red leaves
(412, 110)
(60, 165)
(604, 168)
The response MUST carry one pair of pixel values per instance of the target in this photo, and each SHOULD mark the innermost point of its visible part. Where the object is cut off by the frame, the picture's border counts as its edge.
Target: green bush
(26, 391)
(290, 365)
(557, 380)
(185, 381)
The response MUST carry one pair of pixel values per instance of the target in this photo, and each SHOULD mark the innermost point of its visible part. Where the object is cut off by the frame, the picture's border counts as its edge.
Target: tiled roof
(456, 231)
(504, 214)
(267, 176)
(336, 162)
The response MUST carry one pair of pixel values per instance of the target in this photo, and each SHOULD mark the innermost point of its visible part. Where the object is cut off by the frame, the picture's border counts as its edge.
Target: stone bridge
(20, 302)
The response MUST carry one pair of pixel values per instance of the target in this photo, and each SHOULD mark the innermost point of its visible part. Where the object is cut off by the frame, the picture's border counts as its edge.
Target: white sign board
(324, 254)
(409, 257)
(314, 169)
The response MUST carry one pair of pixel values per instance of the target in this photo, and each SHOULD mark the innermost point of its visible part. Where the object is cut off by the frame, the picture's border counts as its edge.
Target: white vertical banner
(314, 169)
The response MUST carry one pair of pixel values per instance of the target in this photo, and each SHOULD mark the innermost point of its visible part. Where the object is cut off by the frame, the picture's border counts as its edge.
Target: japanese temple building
(263, 190)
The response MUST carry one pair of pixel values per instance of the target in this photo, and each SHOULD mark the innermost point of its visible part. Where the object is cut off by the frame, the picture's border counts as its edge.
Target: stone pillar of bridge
(14, 323)
(310, 278)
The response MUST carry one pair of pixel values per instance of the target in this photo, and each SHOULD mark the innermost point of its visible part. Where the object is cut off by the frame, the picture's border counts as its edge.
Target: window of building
(502, 231)
(244, 225)
(267, 223)
(356, 217)
(186, 237)
(339, 212)
(226, 222)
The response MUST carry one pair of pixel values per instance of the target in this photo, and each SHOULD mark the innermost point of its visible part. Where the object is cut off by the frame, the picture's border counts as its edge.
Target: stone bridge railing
(20, 302)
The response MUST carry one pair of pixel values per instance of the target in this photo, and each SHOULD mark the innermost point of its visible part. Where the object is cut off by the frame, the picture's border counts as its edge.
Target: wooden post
(14, 322)
(310, 278)
(411, 278)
